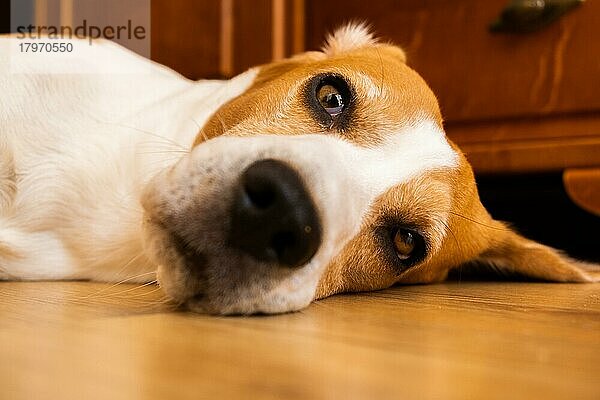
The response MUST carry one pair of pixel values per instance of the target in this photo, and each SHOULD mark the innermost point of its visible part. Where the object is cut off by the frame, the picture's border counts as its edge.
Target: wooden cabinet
(514, 102)
(186, 36)
(221, 38)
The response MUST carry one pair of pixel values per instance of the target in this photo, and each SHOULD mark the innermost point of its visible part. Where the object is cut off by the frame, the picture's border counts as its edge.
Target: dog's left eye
(409, 245)
(331, 99)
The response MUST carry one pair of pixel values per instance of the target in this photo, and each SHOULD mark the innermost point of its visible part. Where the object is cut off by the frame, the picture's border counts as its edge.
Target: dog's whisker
(136, 277)
(105, 292)
(477, 222)
(204, 136)
(156, 166)
(162, 299)
(151, 292)
(155, 288)
(162, 161)
(135, 299)
(382, 72)
(153, 306)
(165, 139)
(195, 122)
(200, 130)
(128, 279)
(163, 152)
(220, 119)
(133, 259)
(142, 295)
(151, 144)
(447, 226)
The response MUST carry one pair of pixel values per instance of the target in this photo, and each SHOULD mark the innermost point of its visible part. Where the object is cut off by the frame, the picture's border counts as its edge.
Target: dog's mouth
(228, 281)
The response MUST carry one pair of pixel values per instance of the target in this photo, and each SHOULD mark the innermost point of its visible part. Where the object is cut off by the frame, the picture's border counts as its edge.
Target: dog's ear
(480, 243)
(348, 37)
(511, 254)
(353, 36)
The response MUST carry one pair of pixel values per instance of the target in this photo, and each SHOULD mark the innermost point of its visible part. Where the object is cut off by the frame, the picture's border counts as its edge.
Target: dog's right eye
(333, 94)
(409, 246)
(330, 98)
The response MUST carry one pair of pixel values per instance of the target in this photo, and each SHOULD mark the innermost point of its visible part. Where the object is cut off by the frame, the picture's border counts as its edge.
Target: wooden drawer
(476, 74)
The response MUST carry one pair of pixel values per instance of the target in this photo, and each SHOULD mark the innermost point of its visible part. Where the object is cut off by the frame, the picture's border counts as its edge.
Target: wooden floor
(79, 340)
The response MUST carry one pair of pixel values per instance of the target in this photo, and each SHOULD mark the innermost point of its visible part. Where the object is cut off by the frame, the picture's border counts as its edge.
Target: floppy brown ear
(514, 254)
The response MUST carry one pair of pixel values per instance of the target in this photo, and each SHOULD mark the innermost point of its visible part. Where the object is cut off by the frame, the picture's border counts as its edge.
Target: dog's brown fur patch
(257, 111)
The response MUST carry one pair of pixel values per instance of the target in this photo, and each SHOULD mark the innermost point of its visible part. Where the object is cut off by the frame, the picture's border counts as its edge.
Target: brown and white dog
(328, 172)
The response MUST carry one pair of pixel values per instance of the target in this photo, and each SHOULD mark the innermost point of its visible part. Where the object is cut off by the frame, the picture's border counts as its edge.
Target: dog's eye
(331, 99)
(408, 244)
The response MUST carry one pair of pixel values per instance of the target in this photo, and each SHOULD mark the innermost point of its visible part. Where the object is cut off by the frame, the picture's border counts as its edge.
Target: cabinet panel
(186, 36)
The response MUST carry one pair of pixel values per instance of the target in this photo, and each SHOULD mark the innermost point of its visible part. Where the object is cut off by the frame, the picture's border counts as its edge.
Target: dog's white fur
(76, 151)
(99, 170)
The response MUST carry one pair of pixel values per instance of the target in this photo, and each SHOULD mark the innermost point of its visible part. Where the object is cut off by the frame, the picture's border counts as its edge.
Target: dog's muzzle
(251, 231)
(273, 218)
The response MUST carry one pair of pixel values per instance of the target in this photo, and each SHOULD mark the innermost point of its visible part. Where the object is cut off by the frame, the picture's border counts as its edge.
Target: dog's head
(330, 173)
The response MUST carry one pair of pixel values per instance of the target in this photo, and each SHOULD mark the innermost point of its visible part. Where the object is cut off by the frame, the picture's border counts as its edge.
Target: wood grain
(186, 36)
(477, 74)
(514, 129)
(219, 39)
(453, 341)
(530, 156)
(252, 33)
(524, 145)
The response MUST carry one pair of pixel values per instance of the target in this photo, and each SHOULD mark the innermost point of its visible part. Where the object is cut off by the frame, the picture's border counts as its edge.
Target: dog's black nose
(273, 217)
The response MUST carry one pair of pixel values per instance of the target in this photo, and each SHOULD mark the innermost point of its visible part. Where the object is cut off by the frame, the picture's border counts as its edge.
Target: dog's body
(76, 151)
(109, 177)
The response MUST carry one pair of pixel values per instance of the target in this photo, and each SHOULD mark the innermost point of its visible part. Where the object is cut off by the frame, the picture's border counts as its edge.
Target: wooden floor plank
(489, 340)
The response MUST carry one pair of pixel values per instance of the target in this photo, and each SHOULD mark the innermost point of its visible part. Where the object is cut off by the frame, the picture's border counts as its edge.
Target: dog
(323, 173)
